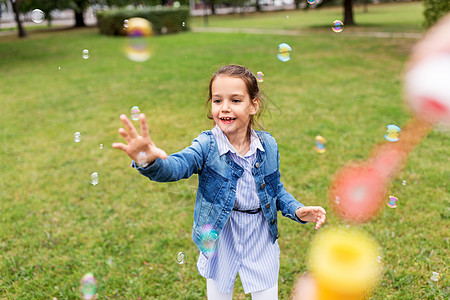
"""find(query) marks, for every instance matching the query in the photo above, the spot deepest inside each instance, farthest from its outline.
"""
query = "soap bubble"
(137, 48)
(392, 133)
(183, 24)
(392, 201)
(125, 23)
(208, 240)
(435, 276)
(310, 1)
(101, 146)
(76, 137)
(85, 53)
(37, 15)
(94, 178)
(260, 76)
(338, 26)
(403, 182)
(284, 52)
(176, 4)
(320, 144)
(181, 258)
(135, 111)
(88, 286)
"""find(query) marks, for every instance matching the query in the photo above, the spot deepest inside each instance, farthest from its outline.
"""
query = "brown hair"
(252, 89)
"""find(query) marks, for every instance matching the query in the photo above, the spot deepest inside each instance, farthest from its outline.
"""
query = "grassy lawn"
(56, 226)
(398, 17)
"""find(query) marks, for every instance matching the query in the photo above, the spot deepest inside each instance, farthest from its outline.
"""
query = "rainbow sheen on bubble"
(320, 144)
(135, 111)
(37, 16)
(338, 26)
(260, 76)
(138, 30)
(284, 52)
(310, 1)
(392, 202)
(208, 240)
(181, 258)
(392, 133)
(88, 287)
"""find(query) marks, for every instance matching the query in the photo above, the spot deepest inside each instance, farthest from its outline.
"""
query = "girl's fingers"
(120, 146)
(132, 132)
(144, 127)
(125, 135)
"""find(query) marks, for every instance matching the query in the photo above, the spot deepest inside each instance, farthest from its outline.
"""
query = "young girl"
(239, 190)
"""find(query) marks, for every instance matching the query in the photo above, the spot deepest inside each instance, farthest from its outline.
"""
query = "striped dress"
(244, 245)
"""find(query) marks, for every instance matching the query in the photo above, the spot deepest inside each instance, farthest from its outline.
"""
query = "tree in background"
(16, 8)
(435, 9)
(348, 13)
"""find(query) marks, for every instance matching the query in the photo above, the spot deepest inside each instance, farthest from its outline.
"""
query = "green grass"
(56, 226)
(399, 17)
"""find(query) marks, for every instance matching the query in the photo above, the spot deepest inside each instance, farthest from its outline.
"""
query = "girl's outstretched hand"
(140, 148)
(314, 214)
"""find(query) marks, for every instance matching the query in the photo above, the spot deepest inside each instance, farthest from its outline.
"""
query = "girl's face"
(231, 106)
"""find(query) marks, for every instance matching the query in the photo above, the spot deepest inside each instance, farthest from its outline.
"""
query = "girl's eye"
(236, 100)
(216, 100)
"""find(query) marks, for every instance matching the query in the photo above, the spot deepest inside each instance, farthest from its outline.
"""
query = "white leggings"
(213, 293)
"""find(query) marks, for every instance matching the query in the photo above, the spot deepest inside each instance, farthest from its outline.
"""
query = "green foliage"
(435, 9)
(111, 22)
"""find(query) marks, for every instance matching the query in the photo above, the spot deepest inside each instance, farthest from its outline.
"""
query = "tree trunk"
(348, 13)
(297, 4)
(213, 10)
(79, 20)
(22, 32)
(257, 6)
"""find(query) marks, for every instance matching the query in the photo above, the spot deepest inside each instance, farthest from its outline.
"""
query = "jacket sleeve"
(179, 165)
(286, 203)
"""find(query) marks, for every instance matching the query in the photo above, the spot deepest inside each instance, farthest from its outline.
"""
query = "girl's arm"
(154, 162)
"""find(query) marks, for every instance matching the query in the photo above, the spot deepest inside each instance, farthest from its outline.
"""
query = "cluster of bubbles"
(208, 240)
(181, 258)
(85, 53)
(392, 202)
(338, 26)
(94, 178)
(134, 113)
(284, 52)
(37, 16)
(392, 133)
(320, 144)
(88, 287)
(260, 76)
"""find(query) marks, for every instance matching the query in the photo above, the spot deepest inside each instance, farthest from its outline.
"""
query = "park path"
(292, 32)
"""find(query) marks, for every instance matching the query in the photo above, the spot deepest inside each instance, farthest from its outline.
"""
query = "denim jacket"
(217, 180)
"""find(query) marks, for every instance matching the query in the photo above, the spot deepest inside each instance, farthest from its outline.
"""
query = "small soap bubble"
(135, 111)
(94, 178)
(392, 201)
(88, 286)
(85, 53)
(320, 144)
(181, 258)
(379, 259)
(260, 76)
(76, 137)
(284, 52)
(59, 68)
(403, 182)
(164, 30)
(287, 17)
(435, 276)
(101, 146)
(392, 133)
(338, 26)
(183, 24)
(37, 15)
(337, 200)
(125, 23)
(176, 4)
(310, 1)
